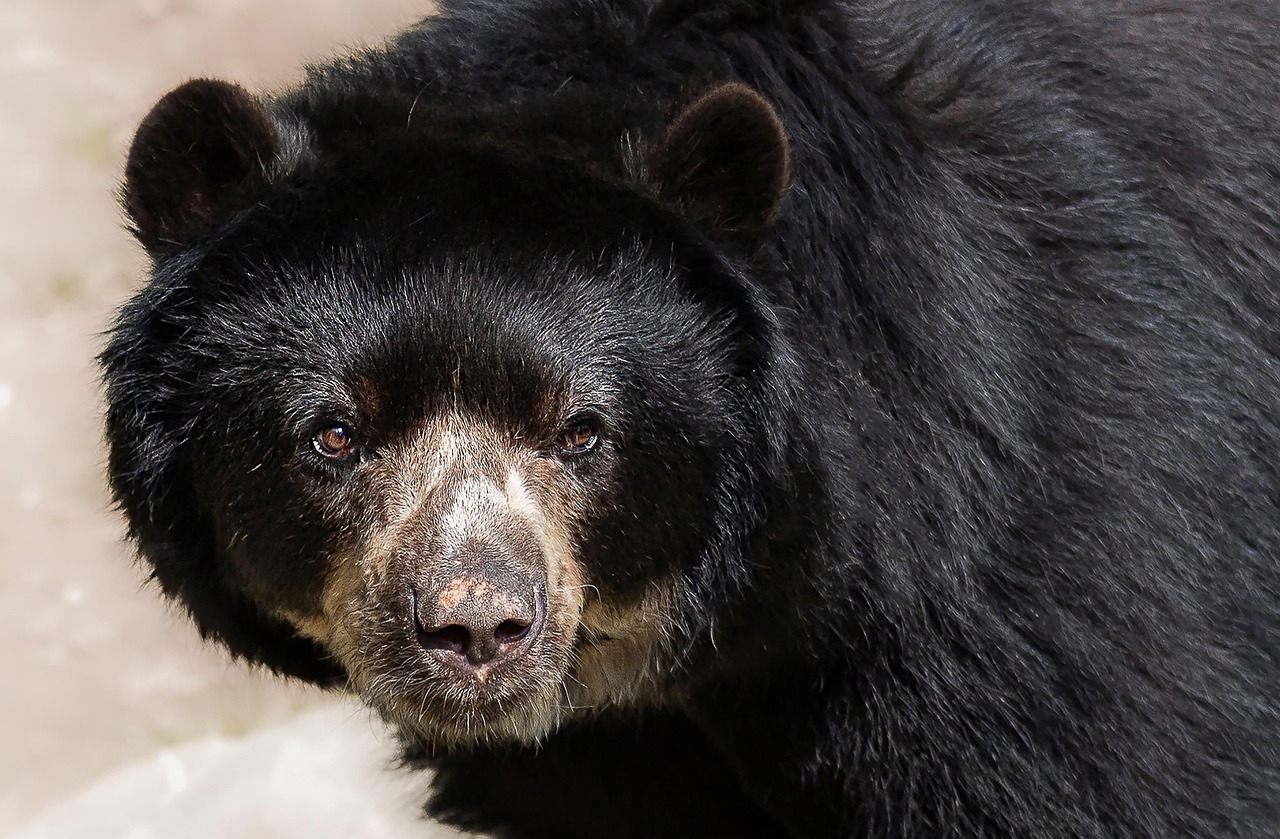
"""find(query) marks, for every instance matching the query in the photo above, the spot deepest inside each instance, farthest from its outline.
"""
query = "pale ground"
(114, 720)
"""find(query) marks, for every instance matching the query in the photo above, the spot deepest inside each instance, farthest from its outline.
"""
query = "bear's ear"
(724, 158)
(194, 153)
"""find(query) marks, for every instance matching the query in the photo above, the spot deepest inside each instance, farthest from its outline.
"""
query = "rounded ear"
(724, 158)
(194, 154)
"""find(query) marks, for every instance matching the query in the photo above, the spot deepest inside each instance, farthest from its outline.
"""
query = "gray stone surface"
(325, 774)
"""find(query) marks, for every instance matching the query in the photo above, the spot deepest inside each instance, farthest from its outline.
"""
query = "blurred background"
(116, 720)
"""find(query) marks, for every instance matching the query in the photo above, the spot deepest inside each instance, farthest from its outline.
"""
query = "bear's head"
(474, 429)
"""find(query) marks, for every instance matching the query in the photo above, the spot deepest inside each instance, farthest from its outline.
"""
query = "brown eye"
(579, 436)
(336, 441)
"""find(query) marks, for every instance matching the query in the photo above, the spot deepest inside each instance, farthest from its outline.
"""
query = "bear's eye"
(578, 436)
(336, 441)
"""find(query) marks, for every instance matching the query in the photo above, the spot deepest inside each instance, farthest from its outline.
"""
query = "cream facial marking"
(552, 534)
(476, 505)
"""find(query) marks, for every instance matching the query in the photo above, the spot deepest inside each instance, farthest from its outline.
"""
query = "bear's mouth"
(442, 688)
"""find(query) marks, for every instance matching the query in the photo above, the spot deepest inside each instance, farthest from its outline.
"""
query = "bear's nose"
(477, 616)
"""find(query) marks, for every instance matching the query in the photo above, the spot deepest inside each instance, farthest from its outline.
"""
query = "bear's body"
(866, 413)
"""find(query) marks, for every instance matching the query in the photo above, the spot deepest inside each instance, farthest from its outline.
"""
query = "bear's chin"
(461, 721)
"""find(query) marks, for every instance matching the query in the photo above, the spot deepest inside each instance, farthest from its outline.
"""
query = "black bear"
(825, 418)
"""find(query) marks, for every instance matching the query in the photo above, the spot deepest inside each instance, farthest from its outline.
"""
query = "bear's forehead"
(361, 300)
(518, 343)
(462, 188)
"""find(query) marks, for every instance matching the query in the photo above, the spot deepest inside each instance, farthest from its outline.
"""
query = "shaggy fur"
(935, 346)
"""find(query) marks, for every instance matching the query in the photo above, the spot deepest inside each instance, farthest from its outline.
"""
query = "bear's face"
(464, 461)
(452, 424)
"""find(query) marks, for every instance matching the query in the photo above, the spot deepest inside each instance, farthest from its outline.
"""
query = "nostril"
(476, 629)
(510, 631)
(453, 638)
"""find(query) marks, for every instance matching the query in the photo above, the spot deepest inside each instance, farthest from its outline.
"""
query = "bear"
(813, 418)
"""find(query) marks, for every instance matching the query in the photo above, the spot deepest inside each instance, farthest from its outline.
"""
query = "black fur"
(964, 451)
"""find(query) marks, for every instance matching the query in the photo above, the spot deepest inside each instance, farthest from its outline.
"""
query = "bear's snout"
(483, 614)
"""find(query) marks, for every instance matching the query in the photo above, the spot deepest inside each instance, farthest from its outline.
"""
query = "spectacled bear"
(824, 418)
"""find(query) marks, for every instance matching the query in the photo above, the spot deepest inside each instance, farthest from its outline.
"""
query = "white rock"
(324, 774)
